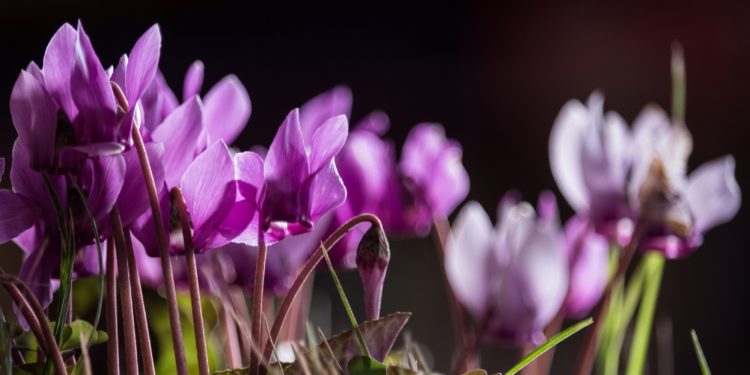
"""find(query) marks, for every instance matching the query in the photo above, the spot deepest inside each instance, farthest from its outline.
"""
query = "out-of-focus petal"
(193, 80)
(376, 122)
(59, 59)
(588, 255)
(209, 188)
(18, 214)
(334, 102)
(449, 184)
(468, 254)
(421, 147)
(144, 60)
(565, 147)
(327, 141)
(92, 94)
(34, 114)
(713, 194)
(327, 191)
(180, 133)
(120, 72)
(144, 228)
(158, 101)
(36, 272)
(226, 110)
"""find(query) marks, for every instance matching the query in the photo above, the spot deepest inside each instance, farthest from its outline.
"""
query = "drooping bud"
(373, 256)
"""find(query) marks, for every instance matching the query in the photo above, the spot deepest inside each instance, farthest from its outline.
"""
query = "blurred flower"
(590, 155)
(513, 278)
(588, 258)
(433, 175)
(677, 209)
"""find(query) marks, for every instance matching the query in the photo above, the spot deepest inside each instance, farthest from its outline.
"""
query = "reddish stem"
(113, 350)
(588, 354)
(144, 338)
(305, 272)
(257, 318)
(166, 264)
(126, 300)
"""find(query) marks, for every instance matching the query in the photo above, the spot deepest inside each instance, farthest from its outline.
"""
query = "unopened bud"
(373, 256)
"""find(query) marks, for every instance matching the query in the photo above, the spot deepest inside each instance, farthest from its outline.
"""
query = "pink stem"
(144, 338)
(113, 350)
(126, 302)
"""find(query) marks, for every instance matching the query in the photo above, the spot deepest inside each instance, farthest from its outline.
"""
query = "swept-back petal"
(334, 102)
(422, 146)
(92, 95)
(144, 60)
(565, 152)
(327, 191)
(30, 183)
(193, 80)
(181, 135)
(449, 184)
(59, 59)
(327, 141)
(120, 72)
(209, 188)
(36, 272)
(34, 116)
(713, 194)
(588, 257)
(468, 255)
(227, 109)
(250, 178)
(376, 122)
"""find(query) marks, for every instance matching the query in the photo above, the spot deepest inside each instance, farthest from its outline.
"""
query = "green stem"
(551, 343)
(654, 264)
(699, 352)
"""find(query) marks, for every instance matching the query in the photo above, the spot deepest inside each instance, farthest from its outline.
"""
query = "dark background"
(496, 78)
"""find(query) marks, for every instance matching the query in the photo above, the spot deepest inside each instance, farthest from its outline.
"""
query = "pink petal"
(713, 194)
(327, 191)
(565, 150)
(209, 188)
(327, 141)
(144, 60)
(227, 109)
(34, 116)
(181, 135)
(334, 102)
(193, 80)
(18, 214)
(59, 59)
(287, 164)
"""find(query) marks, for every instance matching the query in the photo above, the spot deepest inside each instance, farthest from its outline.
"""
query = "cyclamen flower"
(298, 181)
(512, 278)
(18, 212)
(433, 176)
(74, 84)
(677, 209)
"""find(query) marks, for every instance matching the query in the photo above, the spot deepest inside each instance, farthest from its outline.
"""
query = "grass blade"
(552, 342)
(699, 353)
(654, 263)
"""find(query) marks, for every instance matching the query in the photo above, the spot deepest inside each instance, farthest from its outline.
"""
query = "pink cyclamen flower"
(512, 278)
(433, 175)
(677, 209)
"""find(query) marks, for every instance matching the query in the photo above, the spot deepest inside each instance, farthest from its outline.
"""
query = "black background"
(496, 78)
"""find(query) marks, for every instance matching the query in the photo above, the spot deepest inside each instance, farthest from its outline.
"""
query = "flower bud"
(373, 255)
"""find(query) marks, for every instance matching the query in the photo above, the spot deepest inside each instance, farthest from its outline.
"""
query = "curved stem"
(257, 319)
(20, 301)
(307, 269)
(126, 300)
(166, 264)
(192, 274)
(144, 338)
(38, 310)
(113, 350)
(588, 354)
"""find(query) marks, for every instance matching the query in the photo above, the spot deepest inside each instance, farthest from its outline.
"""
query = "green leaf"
(699, 352)
(556, 339)
(362, 365)
(72, 335)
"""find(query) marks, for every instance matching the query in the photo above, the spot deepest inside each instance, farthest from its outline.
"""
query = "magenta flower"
(676, 208)
(300, 179)
(433, 175)
(588, 258)
(590, 155)
(512, 278)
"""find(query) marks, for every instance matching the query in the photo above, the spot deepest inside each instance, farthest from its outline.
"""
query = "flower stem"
(232, 356)
(588, 354)
(257, 319)
(166, 264)
(144, 338)
(31, 319)
(38, 310)
(654, 263)
(113, 350)
(126, 300)
(192, 274)
(307, 270)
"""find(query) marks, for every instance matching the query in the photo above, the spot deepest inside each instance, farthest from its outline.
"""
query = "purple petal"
(149, 268)
(250, 177)
(34, 116)
(713, 194)
(421, 147)
(92, 94)
(133, 200)
(120, 72)
(327, 191)
(144, 228)
(59, 59)
(209, 189)
(334, 102)
(36, 271)
(181, 135)
(376, 122)
(193, 80)
(144, 60)
(565, 149)
(30, 183)
(104, 177)
(327, 141)
(588, 255)
(227, 109)
(34, 70)
(286, 166)
(449, 185)
(158, 101)
(547, 208)
(467, 255)
(250, 185)
(18, 215)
